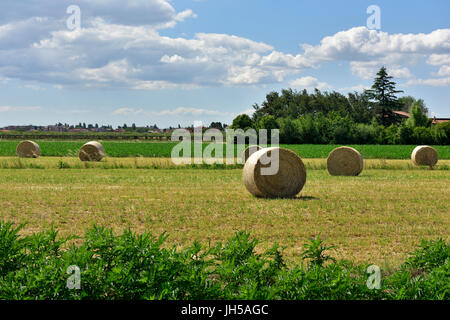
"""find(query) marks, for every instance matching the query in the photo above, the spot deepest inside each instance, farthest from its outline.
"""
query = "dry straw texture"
(28, 149)
(424, 156)
(288, 182)
(249, 151)
(91, 151)
(345, 161)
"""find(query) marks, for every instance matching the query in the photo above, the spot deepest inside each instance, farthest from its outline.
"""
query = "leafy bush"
(308, 130)
(417, 118)
(391, 134)
(366, 133)
(430, 255)
(441, 133)
(131, 266)
(289, 131)
(406, 134)
(425, 275)
(268, 122)
(242, 121)
(422, 135)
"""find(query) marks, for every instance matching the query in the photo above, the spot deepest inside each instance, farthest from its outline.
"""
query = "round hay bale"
(249, 151)
(345, 161)
(287, 182)
(424, 156)
(28, 149)
(91, 151)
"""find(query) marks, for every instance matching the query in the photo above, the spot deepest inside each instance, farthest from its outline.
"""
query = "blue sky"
(175, 62)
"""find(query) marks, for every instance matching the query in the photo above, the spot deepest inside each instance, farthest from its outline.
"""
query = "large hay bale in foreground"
(345, 161)
(249, 151)
(91, 151)
(424, 156)
(287, 182)
(28, 149)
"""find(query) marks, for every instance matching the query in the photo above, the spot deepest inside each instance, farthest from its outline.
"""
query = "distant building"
(23, 128)
(192, 129)
(56, 128)
(439, 120)
(168, 130)
(434, 120)
(78, 130)
(402, 114)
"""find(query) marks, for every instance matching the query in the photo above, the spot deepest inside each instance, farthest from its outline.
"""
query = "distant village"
(83, 127)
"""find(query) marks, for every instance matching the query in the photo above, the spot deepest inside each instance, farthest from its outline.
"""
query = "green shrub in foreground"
(131, 266)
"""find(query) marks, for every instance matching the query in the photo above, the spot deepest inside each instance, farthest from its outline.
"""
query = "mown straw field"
(376, 217)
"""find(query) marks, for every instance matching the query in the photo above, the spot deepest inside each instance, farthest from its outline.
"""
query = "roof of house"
(440, 120)
(402, 113)
(434, 120)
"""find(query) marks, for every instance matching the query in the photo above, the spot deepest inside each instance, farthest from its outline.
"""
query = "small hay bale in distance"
(345, 161)
(28, 149)
(91, 151)
(424, 156)
(286, 183)
(249, 151)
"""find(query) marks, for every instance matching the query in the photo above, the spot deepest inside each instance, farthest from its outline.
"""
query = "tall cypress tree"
(384, 93)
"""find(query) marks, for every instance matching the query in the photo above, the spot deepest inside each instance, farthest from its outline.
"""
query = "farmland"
(225, 153)
(377, 217)
(163, 149)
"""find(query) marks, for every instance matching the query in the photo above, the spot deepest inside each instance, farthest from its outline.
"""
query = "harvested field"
(377, 217)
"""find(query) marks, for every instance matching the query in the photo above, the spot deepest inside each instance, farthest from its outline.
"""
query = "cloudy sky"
(180, 61)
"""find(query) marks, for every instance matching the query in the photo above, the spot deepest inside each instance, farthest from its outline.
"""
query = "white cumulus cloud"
(120, 45)
(444, 71)
(433, 82)
(169, 112)
(309, 82)
(19, 108)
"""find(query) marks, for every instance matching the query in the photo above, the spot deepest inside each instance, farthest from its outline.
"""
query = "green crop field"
(163, 149)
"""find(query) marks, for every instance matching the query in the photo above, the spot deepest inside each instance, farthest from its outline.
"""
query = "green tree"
(406, 134)
(383, 92)
(362, 109)
(417, 118)
(289, 132)
(308, 130)
(422, 135)
(407, 102)
(293, 104)
(322, 124)
(216, 125)
(366, 133)
(391, 134)
(441, 133)
(242, 121)
(268, 122)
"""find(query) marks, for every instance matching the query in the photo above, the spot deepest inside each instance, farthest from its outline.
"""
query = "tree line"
(333, 118)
